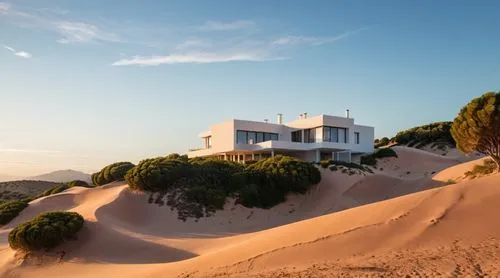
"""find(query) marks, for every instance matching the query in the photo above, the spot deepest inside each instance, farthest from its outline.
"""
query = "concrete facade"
(315, 138)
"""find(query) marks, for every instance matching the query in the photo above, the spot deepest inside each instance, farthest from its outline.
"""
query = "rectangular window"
(356, 137)
(251, 137)
(327, 134)
(335, 134)
(297, 136)
(310, 135)
(241, 137)
(341, 135)
(260, 137)
(274, 136)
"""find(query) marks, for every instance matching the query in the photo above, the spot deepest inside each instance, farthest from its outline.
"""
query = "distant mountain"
(20, 189)
(9, 178)
(62, 176)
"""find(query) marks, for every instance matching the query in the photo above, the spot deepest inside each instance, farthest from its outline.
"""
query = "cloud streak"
(53, 20)
(297, 40)
(21, 54)
(192, 58)
(227, 26)
(81, 32)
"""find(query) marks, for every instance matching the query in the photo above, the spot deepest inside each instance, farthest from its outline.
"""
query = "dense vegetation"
(197, 187)
(371, 159)
(435, 134)
(111, 173)
(477, 127)
(18, 190)
(45, 231)
(384, 141)
(10, 210)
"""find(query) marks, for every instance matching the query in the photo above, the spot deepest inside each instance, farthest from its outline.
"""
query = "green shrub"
(382, 142)
(45, 231)
(438, 133)
(209, 182)
(10, 210)
(157, 174)
(489, 166)
(385, 152)
(177, 156)
(371, 159)
(78, 183)
(54, 190)
(368, 160)
(111, 173)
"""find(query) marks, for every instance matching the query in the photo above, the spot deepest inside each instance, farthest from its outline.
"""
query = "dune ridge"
(351, 225)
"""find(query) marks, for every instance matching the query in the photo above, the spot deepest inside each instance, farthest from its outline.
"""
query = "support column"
(238, 157)
(225, 156)
(253, 156)
(318, 156)
(350, 156)
(272, 153)
(260, 156)
(333, 156)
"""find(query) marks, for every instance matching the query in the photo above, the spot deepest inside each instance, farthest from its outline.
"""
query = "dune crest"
(348, 224)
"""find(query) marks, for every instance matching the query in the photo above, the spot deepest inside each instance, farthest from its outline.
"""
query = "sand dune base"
(444, 231)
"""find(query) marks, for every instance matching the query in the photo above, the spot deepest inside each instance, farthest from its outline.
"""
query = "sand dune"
(447, 230)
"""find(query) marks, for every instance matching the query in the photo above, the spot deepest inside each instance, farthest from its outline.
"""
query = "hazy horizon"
(88, 83)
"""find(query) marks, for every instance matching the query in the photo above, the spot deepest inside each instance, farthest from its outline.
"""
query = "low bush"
(382, 142)
(45, 231)
(10, 210)
(371, 159)
(420, 136)
(209, 182)
(111, 173)
(78, 183)
(489, 166)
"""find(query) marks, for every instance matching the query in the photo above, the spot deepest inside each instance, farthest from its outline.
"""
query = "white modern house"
(308, 138)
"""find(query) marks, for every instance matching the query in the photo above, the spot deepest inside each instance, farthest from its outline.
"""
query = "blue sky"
(86, 83)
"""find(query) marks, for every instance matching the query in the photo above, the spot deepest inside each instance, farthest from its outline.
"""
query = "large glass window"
(310, 135)
(342, 135)
(326, 134)
(356, 137)
(241, 137)
(260, 137)
(297, 136)
(335, 134)
(252, 137)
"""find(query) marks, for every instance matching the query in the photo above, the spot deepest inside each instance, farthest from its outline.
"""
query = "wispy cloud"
(227, 26)
(81, 32)
(193, 43)
(192, 58)
(4, 8)
(57, 21)
(12, 150)
(21, 54)
(296, 40)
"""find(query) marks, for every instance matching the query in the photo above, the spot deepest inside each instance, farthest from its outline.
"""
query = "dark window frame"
(266, 136)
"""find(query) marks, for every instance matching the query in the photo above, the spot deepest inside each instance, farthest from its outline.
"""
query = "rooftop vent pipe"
(347, 113)
(280, 118)
(305, 115)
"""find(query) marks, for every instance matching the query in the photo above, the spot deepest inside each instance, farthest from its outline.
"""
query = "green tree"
(477, 126)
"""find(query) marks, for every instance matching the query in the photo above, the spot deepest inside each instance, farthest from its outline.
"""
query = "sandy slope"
(442, 231)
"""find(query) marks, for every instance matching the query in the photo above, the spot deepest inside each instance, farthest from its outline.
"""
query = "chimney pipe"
(305, 115)
(347, 113)
(266, 120)
(280, 118)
